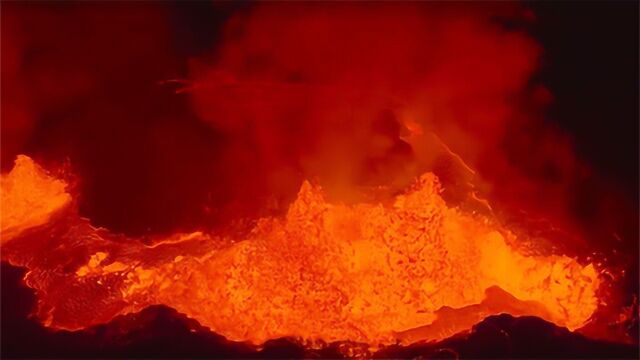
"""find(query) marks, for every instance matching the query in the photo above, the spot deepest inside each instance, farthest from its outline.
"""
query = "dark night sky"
(591, 66)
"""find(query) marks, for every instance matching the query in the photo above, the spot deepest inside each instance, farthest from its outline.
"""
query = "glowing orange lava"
(29, 198)
(409, 269)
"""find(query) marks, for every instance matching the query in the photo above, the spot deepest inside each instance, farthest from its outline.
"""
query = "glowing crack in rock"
(408, 270)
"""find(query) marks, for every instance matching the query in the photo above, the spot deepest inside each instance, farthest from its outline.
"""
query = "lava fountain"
(378, 273)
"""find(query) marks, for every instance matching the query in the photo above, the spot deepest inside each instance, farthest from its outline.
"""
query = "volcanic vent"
(338, 175)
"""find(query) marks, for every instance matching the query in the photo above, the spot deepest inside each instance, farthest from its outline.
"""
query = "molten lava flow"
(407, 270)
(29, 198)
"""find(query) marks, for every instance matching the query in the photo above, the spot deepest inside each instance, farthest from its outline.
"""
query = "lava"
(29, 198)
(407, 269)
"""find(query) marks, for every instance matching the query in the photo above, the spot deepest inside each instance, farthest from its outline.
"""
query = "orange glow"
(408, 269)
(30, 198)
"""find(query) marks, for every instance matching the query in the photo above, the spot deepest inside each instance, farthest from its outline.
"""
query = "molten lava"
(408, 269)
(29, 198)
